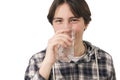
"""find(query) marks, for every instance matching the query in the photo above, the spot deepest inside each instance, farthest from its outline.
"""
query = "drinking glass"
(65, 54)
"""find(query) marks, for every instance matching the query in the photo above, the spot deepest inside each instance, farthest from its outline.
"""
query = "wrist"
(45, 69)
(48, 62)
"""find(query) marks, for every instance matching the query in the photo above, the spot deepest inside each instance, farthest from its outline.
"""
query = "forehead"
(63, 11)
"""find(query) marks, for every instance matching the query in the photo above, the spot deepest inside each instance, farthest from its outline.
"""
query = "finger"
(63, 41)
(56, 42)
(64, 36)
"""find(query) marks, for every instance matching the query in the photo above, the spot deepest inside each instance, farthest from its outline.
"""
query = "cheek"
(77, 28)
(56, 27)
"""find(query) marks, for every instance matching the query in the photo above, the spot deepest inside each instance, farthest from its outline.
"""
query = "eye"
(58, 21)
(74, 20)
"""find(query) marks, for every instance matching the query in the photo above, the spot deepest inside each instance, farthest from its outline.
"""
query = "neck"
(79, 49)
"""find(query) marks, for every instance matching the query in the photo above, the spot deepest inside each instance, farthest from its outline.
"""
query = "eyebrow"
(73, 17)
(57, 18)
(62, 18)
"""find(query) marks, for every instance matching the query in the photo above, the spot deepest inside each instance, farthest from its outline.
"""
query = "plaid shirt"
(83, 69)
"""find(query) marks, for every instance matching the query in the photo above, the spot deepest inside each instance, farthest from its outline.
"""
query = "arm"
(50, 58)
(42, 71)
(45, 70)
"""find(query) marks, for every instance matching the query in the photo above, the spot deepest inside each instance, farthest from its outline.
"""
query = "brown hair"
(78, 7)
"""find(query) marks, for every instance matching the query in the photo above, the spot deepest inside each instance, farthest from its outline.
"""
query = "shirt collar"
(90, 53)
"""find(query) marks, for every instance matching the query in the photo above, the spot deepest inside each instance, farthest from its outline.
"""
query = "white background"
(24, 31)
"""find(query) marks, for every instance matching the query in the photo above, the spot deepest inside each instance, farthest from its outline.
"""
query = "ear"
(85, 27)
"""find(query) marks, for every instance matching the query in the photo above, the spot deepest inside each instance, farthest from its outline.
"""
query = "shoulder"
(34, 65)
(38, 57)
(100, 52)
(103, 54)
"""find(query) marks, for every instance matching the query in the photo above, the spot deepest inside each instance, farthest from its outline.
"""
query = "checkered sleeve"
(113, 75)
(110, 67)
(32, 71)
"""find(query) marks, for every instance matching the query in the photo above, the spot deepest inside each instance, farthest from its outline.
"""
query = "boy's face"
(64, 18)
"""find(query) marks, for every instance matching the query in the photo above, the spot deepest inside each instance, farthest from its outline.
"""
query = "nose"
(67, 25)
